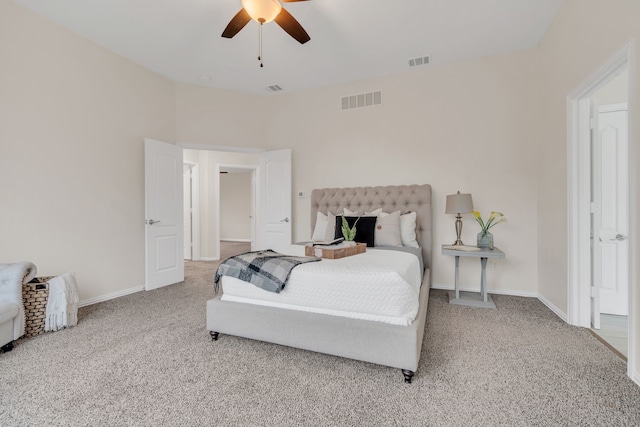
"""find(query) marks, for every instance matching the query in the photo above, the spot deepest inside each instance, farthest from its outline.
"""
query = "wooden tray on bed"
(334, 253)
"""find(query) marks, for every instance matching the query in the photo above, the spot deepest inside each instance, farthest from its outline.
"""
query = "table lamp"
(458, 204)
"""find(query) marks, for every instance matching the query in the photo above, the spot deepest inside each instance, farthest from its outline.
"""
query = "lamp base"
(458, 241)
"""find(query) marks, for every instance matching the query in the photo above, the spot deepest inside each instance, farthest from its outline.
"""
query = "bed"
(374, 341)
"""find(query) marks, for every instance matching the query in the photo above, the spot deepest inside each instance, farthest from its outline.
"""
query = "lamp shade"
(459, 203)
(262, 11)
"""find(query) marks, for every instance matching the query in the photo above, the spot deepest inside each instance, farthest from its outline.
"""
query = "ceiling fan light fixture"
(262, 11)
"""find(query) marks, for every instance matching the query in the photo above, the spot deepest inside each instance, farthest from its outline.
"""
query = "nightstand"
(473, 299)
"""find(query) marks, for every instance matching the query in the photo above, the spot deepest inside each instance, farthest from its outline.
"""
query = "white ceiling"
(350, 39)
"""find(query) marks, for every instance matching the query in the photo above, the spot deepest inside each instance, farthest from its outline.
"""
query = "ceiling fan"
(264, 11)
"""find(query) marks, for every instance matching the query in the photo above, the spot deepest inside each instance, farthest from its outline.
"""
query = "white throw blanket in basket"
(62, 305)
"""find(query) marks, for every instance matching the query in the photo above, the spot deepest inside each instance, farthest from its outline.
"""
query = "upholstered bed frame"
(376, 342)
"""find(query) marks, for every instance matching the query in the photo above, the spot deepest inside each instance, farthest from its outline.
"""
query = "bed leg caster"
(408, 375)
(214, 335)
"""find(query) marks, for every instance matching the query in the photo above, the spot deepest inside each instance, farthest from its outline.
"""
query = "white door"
(164, 231)
(186, 189)
(610, 219)
(274, 216)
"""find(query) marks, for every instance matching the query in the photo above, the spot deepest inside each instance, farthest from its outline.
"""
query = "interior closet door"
(274, 218)
(611, 218)
(164, 227)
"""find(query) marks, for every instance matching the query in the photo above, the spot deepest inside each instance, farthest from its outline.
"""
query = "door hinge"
(595, 292)
(592, 122)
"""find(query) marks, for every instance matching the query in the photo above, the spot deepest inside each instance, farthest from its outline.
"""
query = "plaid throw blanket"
(266, 269)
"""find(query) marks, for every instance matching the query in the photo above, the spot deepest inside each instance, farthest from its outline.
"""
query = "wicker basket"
(35, 295)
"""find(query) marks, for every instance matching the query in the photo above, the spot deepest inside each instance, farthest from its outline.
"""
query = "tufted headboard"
(406, 198)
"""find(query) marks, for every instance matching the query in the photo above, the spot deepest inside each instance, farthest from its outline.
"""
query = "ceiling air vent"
(420, 60)
(361, 100)
(274, 88)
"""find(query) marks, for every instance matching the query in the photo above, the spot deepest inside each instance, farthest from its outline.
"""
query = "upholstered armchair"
(12, 317)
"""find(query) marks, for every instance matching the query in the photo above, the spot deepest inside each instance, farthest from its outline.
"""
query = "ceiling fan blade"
(292, 27)
(237, 23)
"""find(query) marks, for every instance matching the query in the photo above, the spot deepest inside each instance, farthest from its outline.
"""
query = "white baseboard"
(636, 377)
(526, 294)
(555, 309)
(112, 295)
(236, 240)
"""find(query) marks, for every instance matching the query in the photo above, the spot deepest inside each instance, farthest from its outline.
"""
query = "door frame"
(579, 197)
(253, 169)
(195, 209)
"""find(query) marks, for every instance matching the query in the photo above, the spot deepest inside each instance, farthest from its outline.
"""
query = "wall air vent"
(420, 60)
(274, 88)
(361, 100)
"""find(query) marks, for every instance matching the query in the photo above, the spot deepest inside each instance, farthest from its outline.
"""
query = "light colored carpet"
(147, 359)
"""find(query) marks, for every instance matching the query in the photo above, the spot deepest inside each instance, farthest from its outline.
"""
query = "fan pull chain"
(260, 46)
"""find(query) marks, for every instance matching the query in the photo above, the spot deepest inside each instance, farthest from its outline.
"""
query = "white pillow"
(320, 228)
(387, 231)
(330, 232)
(325, 228)
(408, 230)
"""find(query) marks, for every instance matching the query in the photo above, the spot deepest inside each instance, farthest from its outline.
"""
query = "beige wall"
(216, 117)
(235, 206)
(73, 118)
(583, 35)
(614, 92)
(466, 126)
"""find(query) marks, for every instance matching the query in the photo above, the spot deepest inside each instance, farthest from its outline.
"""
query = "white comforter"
(378, 285)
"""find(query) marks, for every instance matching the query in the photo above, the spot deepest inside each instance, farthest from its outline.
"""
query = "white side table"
(473, 299)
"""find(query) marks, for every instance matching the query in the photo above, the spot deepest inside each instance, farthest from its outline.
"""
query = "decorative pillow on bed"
(387, 231)
(408, 230)
(325, 227)
(365, 228)
(320, 228)
(331, 227)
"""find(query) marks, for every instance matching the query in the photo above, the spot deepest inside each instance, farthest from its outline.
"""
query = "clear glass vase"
(485, 240)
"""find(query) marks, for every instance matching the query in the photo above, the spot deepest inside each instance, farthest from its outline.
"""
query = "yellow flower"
(494, 218)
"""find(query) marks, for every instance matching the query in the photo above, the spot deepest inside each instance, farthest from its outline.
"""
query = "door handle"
(285, 220)
(151, 222)
(619, 237)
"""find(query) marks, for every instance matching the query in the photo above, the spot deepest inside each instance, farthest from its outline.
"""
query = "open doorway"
(213, 167)
(599, 194)
(236, 205)
(271, 186)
